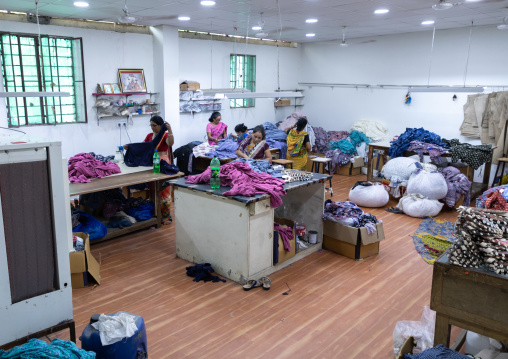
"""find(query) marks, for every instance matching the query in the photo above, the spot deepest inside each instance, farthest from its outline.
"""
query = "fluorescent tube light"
(34, 94)
(446, 89)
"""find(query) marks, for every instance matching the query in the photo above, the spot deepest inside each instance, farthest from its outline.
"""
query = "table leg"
(72, 331)
(157, 202)
(370, 164)
(442, 330)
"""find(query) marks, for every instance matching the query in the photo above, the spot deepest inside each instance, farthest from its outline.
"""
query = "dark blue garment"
(398, 147)
(439, 352)
(272, 132)
(282, 146)
(168, 168)
(203, 271)
(141, 154)
(225, 149)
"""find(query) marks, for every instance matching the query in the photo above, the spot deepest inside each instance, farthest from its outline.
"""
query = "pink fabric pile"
(245, 182)
(286, 234)
(337, 135)
(84, 166)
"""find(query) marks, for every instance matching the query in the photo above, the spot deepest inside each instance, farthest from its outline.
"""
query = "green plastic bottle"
(156, 162)
(214, 178)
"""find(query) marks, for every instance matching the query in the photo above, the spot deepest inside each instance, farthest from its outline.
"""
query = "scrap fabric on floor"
(203, 271)
(84, 166)
(403, 142)
(244, 181)
(36, 348)
(433, 238)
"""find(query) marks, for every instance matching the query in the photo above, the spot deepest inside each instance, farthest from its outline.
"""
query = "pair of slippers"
(394, 210)
(264, 282)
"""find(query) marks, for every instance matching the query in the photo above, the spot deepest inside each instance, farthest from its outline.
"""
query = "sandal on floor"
(252, 284)
(266, 283)
(394, 210)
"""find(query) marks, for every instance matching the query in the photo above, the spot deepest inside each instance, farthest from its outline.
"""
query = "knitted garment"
(475, 156)
(168, 168)
(458, 185)
(141, 154)
(496, 201)
(403, 142)
(244, 181)
(433, 150)
(39, 349)
(84, 166)
(286, 234)
(225, 149)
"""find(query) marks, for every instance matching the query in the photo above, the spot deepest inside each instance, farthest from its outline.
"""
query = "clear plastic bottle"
(215, 172)
(156, 162)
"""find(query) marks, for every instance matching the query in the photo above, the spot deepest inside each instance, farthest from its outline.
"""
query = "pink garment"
(84, 166)
(286, 234)
(337, 135)
(245, 182)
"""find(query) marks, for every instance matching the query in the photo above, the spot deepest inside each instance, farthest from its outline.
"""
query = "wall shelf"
(111, 111)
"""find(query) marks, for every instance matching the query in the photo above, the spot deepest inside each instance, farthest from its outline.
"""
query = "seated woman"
(216, 130)
(255, 146)
(240, 132)
(298, 144)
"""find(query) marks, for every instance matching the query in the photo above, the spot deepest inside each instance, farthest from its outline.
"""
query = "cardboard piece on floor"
(351, 242)
(351, 169)
(84, 267)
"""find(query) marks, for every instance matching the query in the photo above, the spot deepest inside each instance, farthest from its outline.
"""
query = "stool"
(500, 160)
(283, 162)
(316, 167)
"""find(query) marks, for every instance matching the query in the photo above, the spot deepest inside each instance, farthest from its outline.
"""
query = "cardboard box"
(189, 86)
(353, 169)
(84, 267)
(279, 253)
(281, 102)
(351, 242)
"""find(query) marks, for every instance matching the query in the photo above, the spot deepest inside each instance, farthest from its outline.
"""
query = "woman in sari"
(255, 147)
(298, 144)
(216, 130)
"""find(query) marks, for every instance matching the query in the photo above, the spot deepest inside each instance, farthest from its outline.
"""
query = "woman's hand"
(125, 147)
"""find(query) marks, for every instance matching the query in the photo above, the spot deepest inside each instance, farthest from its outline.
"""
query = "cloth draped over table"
(403, 142)
(475, 156)
(244, 181)
(434, 151)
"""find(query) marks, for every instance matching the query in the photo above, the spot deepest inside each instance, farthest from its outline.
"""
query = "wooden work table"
(381, 148)
(470, 298)
(129, 176)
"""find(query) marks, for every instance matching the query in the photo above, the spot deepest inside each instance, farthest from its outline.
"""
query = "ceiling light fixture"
(256, 28)
(310, 35)
(81, 4)
(207, 3)
(504, 25)
(428, 22)
(183, 18)
(381, 11)
(311, 21)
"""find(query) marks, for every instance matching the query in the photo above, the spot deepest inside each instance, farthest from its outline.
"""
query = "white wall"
(104, 53)
(401, 60)
(195, 64)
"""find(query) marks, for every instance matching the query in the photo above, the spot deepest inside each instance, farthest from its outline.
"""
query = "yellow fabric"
(297, 151)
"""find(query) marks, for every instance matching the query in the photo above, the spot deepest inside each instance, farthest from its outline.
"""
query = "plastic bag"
(429, 184)
(113, 328)
(369, 196)
(141, 213)
(422, 331)
(89, 224)
(399, 169)
(418, 206)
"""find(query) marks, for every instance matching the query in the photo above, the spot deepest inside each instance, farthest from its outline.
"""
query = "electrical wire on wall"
(12, 129)
(468, 49)
(211, 55)
(431, 53)
(127, 132)
(278, 40)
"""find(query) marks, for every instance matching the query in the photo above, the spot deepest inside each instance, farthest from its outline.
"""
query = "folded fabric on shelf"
(244, 181)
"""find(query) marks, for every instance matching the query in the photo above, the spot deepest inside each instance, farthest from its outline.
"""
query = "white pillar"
(166, 70)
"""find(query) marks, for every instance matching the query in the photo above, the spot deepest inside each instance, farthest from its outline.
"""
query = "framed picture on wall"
(132, 80)
(116, 88)
(107, 88)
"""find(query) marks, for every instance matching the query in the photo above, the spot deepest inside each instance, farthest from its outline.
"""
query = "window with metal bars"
(243, 75)
(56, 64)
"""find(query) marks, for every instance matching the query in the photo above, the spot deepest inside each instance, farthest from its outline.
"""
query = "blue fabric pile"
(36, 348)
(273, 133)
(282, 146)
(398, 147)
(438, 352)
(261, 167)
(225, 149)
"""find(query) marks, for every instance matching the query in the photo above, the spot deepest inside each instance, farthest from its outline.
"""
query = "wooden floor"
(337, 307)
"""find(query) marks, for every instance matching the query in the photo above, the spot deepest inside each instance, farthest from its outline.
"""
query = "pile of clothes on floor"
(494, 198)
(349, 214)
(112, 205)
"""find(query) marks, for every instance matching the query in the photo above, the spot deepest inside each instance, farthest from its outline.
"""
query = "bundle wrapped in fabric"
(429, 184)
(399, 169)
(416, 205)
(368, 194)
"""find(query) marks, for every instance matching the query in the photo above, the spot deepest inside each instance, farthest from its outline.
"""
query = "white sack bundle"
(429, 184)
(418, 206)
(369, 196)
(399, 169)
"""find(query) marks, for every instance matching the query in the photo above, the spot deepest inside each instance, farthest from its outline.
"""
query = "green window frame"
(59, 68)
(243, 75)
